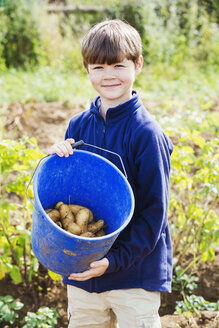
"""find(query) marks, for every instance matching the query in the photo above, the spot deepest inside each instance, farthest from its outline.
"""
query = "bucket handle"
(74, 145)
(82, 143)
(31, 181)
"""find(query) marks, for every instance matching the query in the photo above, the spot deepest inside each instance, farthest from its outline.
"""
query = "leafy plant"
(193, 304)
(188, 29)
(21, 38)
(8, 306)
(17, 159)
(194, 196)
(43, 318)
(185, 283)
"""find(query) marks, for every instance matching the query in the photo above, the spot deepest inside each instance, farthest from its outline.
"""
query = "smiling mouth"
(110, 86)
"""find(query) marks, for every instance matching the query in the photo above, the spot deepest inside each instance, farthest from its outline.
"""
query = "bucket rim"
(42, 210)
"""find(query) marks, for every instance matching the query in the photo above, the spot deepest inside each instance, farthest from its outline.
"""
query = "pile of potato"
(77, 220)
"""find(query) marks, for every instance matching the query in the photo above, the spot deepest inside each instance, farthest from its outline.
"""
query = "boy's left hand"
(97, 269)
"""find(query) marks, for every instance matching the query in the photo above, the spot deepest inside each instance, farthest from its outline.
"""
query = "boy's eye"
(98, 67)
(119, 65)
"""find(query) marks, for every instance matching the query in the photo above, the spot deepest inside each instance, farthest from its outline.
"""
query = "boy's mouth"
(110, 85)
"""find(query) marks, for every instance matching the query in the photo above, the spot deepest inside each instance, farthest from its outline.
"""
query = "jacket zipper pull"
(104, 133)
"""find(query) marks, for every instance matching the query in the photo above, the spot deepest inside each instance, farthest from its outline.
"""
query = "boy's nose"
(108, 73)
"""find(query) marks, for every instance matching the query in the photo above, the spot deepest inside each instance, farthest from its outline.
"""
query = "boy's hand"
(97, 269)
(62, 148)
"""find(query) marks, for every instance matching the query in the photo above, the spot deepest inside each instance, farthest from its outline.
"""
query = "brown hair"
(110, 42)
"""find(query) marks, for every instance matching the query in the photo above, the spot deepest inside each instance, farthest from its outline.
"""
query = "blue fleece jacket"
(141, 256)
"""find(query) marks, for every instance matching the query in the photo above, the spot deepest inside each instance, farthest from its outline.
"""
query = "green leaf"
(16, 305)
(54, 275)
(16, 275)
(7, 299)
(2, 270)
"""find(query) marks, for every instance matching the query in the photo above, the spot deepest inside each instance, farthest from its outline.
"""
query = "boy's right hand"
(62, 148)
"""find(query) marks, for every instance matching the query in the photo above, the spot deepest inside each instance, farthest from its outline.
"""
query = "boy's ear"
(139, 65)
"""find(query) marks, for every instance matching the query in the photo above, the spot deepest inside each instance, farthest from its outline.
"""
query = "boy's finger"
(54, 150)
(62, 149)
(70, 140)
(103, 262)
(69, 147)
(58, 151)
(84, 275)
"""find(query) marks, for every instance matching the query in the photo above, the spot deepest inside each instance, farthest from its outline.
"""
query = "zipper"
(104, 134)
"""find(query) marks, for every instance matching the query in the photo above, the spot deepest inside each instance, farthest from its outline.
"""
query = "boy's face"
(114, 82)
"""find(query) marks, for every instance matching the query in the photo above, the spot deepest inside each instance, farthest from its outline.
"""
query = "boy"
(125, 285)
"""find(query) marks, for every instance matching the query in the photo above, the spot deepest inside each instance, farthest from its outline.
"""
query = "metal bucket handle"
(74, 145)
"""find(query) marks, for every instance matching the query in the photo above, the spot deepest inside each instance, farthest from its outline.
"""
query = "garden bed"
(47, 122)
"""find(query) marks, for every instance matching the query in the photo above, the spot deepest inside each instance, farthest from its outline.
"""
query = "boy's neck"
(105, 105)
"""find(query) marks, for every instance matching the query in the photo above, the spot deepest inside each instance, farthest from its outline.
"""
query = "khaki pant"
(129, 307)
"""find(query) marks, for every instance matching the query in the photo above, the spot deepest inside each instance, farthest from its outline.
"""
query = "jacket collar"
(116, 113)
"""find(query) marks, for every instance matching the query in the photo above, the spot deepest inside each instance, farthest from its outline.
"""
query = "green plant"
(3, 29)
(20, 40)
(194, 196)
(193, 304)
(30, 36)
(185, 283)
(17, 159)
(43, 318)
(8, 306)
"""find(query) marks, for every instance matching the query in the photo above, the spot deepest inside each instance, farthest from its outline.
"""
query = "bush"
(20, 41)
(3, 29)
(172, 32)
(17, 160)
(193, 216)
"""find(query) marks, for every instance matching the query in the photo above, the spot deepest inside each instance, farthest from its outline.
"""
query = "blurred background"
(43, 83)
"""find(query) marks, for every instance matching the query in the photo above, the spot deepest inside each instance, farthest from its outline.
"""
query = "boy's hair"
(110, 42)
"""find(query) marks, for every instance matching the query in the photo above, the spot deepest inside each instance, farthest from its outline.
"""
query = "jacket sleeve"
(151, 163)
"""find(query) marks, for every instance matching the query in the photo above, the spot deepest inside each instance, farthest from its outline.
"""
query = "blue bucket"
(86, 179)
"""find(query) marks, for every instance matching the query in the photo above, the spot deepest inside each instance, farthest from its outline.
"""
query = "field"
(179, 86)
(40, 119)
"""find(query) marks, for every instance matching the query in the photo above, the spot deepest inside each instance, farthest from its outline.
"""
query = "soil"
(47, 122)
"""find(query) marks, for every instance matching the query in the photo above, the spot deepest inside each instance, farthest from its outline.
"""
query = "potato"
(100, 233)
(87, 234)
(58, 205)
(53, 214)
(59, 224)
(65, 222)
(91, 217)
(76, 219)
(74, 228)
(48, 210)
(82, 218)
(95, 226)
(65, 211)
(76, 208)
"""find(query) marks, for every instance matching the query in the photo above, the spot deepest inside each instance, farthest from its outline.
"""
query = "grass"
(186, 97)
(43, 84)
